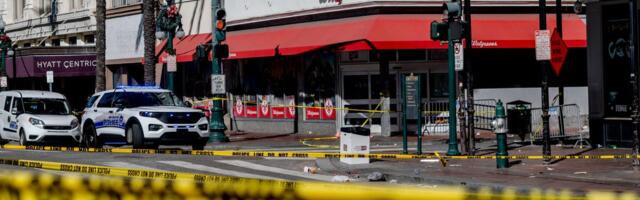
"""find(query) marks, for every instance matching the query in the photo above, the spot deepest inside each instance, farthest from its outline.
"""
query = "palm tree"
(100, 44)
(149, 23)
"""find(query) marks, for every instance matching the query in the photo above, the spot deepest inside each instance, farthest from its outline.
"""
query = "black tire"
(90, 137)
(23, 139)
(137, 136)
(199, 145)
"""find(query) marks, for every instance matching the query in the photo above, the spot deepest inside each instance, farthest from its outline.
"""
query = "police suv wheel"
(136, 135)
(199, 145)
(90, 138)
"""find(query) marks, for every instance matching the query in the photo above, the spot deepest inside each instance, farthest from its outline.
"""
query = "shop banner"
(312, 113)
(329, 111)
(291, 108)
(264, 111)
(251, 111)
(279, 112)
(238, 107)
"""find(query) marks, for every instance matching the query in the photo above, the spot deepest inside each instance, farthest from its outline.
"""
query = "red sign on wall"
(264, 109)
(328, 111)
(278, 112)
(291, 109)
(238, 108)
(312, 113)
(251, 111)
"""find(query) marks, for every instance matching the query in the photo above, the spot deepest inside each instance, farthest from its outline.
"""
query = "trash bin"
(519, 118)
(354, 140)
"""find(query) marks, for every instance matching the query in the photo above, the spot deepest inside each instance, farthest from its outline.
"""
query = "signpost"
(50, 80)
(459, 56)
(558, 52)
(411, 109)
(543, 45)
(217, 84)
(171, 63)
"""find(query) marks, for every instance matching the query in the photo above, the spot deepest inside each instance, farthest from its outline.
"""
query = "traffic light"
(457, 29)
(221, 51)
(221, 25)
(439, 31)
(451, 10)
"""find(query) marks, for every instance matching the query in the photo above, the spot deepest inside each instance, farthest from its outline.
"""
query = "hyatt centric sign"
(75, 64)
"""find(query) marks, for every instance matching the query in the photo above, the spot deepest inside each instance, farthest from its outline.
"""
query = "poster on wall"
(291, 107)
(251, 109)
(264, 110)
(238, 107)
(278, 108)
(328, 110)
(312, 113)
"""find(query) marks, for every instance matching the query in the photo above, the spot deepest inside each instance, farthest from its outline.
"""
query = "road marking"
(214, 170)
(258, 167)
(128, 165)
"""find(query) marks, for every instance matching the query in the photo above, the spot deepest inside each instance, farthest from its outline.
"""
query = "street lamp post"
(169, 25)
(5, 47)
(220, 50)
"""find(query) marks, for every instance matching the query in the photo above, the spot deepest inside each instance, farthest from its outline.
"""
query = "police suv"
(144, 117)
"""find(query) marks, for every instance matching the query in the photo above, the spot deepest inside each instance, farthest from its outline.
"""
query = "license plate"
(183, 130)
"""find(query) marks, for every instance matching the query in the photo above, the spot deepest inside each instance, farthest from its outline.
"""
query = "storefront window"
(320, 85)
(439, 87)
(376, 86)
(357, 87)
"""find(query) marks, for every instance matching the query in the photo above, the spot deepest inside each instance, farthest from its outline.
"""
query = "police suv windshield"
(39, 106)
(139, 99)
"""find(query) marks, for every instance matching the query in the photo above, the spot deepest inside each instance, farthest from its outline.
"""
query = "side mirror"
(188, 104)
(120, 107)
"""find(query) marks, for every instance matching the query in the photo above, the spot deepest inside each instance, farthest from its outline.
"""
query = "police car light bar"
(137, 87)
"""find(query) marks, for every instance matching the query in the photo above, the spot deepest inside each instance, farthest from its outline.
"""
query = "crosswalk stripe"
(258, 167)
(214, 170)
(128, 165)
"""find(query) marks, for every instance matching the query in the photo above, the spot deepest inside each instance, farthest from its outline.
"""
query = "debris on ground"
(579, 173)
(310, 170)
(340, 179)
(549, 169)
(393, 181)
(376, 176)
(430, 160)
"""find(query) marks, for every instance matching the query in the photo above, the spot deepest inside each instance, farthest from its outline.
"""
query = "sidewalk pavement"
(587, 174)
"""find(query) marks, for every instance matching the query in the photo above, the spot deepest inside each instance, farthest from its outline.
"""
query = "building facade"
(56, 37)
(610, 89)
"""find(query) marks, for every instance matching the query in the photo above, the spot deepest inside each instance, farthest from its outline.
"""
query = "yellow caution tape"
(307, 154)
(122, 183)
(305, 142)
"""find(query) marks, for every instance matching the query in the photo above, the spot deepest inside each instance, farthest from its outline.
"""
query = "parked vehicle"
(37, 117)
(144, 117)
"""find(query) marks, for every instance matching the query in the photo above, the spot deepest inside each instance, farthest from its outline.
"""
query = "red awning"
(185, 47)
(395, 32)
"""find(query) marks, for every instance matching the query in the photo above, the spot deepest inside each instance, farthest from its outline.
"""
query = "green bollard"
(500, 128)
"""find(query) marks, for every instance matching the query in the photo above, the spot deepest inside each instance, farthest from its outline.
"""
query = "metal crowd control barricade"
(572, 123)
(436, 116)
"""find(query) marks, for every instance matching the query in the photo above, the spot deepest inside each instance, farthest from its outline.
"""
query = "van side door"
(5, 117)
(15, 110)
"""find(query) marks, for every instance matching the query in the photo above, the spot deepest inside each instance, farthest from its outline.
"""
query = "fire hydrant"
(500, 129)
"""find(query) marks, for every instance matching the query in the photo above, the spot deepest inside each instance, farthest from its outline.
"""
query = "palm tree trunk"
(100, 44)
(149, 23)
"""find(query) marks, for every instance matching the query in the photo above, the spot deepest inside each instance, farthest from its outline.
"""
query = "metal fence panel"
(572, 122)
(436, 116)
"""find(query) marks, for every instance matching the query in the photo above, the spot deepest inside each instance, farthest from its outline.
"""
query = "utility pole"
(216, 125)
(469, 78)
(633, 62)
(560, 81)
(452, 10)
(544, 65)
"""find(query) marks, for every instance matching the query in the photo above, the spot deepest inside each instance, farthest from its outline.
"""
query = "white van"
(37, 116)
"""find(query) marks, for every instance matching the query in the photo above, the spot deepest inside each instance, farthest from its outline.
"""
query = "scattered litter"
(579, 172)
(375, 176)
(429, 160)
(455, 165)
(310, 170)
(477, 133)
(532, 176)
(340, 179)
(559, 145)
(393, 181)
(427, 186)
(549, 169)
(416, 171)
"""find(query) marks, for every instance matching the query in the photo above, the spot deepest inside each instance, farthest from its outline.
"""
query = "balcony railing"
(120, 3)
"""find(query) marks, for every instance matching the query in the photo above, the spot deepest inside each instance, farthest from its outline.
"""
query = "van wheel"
(23, 138)
(136, 135)
(3, 141)
(89, 137)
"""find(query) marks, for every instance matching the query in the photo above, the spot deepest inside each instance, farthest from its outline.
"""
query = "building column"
(29, 11)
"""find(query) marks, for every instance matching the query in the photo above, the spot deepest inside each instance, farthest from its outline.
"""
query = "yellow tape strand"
(123, 183)
(306, 154)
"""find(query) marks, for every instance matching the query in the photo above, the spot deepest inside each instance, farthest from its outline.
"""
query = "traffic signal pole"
(216, 125)
(469, 78)
(633, 62)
